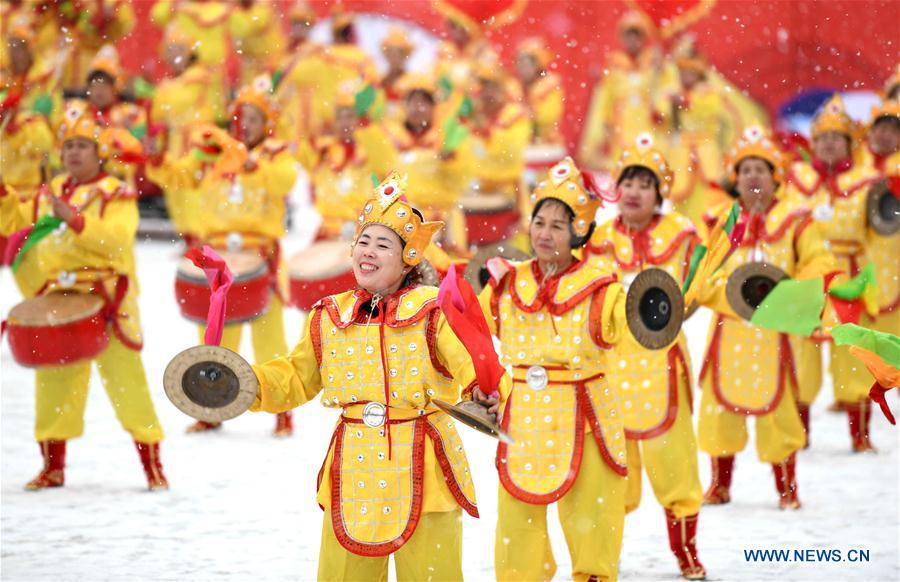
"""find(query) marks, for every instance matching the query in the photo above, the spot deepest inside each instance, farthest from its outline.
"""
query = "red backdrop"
(773, 48)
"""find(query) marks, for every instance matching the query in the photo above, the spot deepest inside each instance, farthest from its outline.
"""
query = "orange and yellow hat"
(389, 208)
(341, 19)
(756, 142)
(416, 82)
(536, 48)
(887, 108)
(833, 117)
(112, 142)
(107, 61)
(636, 20)
(22, 28)
(644, 154)
(397, 38)
(259, 94)
(577, 190)
(302, 11)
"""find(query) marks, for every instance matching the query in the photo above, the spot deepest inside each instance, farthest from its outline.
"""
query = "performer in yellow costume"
(629, 100)
(395, 476)
(255, 28)
(882, 154)
(207, 23)
(244, 211)
(91, 252)
(296, 72)
(556, 317)
(341, 165)
(396, 48)
(748, 370)
(834, 188)
(655, 386)
(703, 123)
(542, 91)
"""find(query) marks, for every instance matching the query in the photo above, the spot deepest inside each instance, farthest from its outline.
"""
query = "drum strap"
(112, 304)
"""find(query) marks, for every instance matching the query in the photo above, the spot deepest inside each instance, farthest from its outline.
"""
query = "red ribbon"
(877, 395)
(220, 279)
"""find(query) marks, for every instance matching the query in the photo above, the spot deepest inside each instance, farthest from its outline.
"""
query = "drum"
(57, 329)
(247, 299)
(321, 270)
(540, 157)
(490, 218)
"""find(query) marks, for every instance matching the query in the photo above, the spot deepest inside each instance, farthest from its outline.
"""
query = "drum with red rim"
(321, 270)
(490, 218)
(57, 329)
(247, 299)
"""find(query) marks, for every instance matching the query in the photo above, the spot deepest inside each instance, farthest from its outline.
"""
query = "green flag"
(793, 306)
(44, 226)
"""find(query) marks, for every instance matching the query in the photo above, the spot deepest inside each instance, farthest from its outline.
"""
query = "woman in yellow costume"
(395, 476)
(296, 73)
(396, 48)
(655, 385)
(630, 97)
(557, 317)
(834, 188)
(882, 154)
(702, 124)
(341, 164)
(90, 252)
(244, 211)
(542, 91)
(255, 29)
(748, 370)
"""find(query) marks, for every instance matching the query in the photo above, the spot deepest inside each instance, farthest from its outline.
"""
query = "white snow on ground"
(242, 504)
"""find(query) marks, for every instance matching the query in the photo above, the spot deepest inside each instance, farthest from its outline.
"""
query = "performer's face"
(551, 232)
(458, 34)
(101, 93)
(396, 57)
(345, 122)
(419, 109)
(755, 183)
(632, 40)
(527, 67)
(178, 56)
(378, 260)
(20, 56)
(253, 125)
(831, 147)
(884, 137)
(638, 199)
(80, 159)
(689, 77)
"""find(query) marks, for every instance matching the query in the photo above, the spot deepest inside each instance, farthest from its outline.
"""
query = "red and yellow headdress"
(112, 142)
(416, 82)
(536, 49)
(577, 190)
(107, 61)
(833, 117)
(757, 143)
(258, 94)
(636, 20)
(389, 208)
(302, 11)
(397, 38)
(22, 28)
(644, 154)
(887, 108)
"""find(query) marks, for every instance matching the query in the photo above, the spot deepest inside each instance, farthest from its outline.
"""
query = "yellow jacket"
(379, 477)
(882, 250)
(26, 144)
(90, 256)
(257, 37)
(648, 379)
(497, 151)
(178, 103)
(565, 326)
(759, 363)
(546, 102)
(622, 107)
(341, 175)
(296, 92)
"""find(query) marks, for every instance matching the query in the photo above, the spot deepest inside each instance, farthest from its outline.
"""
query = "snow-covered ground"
(242, 503)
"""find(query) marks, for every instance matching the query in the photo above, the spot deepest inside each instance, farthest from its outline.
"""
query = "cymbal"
(883, 209)
(475, 416)
(749, 284)
(654, 308)
(210, 383)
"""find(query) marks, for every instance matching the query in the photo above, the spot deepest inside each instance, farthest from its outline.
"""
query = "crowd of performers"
(462, 165)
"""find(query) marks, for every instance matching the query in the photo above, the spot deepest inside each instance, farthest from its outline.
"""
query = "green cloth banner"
(884, 345)
(793, 306)
(44, 226)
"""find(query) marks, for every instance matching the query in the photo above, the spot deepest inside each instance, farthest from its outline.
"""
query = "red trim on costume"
(595, 320)
(431, 342)
(597, 430)
(449, 476)
(547, 291)
(315, 334)
(641, 243)
(390, 308)
(415, 510)
(674, 358)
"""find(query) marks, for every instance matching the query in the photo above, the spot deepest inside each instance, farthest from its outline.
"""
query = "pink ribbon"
(14, 244)
(220, 279)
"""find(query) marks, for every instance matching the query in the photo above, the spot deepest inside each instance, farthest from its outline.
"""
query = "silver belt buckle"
(373, 414)
(536, 377)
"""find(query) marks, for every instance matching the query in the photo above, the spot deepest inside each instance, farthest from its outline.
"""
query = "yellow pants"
(61, 396)
(592, 515)
(671, 462)
(433, 552)
(851, 381)
(722, 433)
(266, 334)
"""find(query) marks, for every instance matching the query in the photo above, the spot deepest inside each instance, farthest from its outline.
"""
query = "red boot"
(683, 542)
(203, 426)
(786, 482)
(803, 409)
(719, 491)
(859, 415)
(284, 424)
(152, 466)
(53, 473)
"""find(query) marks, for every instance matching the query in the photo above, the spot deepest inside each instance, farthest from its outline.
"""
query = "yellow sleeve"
(505, 156)
(281, 173)
(175, 175)
(484, 300)
(290, 381)
(453, 355)
(307, 155)
(122, 23)
(105, 237)
(592, 144)
(15, 213)
(813, 257)
(549, 110)
(161, 13)
(246, 22)
(712, 293)
(381, 152)
(612, 325)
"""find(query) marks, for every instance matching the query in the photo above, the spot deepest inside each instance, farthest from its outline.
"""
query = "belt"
(373, 414)
(539, 377)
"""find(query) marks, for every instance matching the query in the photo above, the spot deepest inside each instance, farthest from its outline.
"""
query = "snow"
(242, 504)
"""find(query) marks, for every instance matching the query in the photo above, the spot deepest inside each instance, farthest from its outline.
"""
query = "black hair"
(888, 119)
(641, 173)
(575, 242)
(102, 75)
(427, 94)
(344, 33)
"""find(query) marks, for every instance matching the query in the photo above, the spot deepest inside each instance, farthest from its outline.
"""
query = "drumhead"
(321, 260)
(55, 309)
(487, 203)
(544, 153)
(244, 266)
